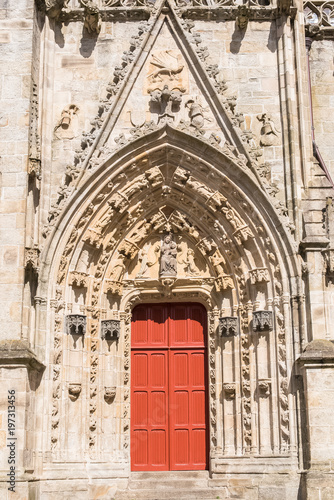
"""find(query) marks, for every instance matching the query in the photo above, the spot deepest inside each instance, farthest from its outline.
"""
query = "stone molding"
(17, 352)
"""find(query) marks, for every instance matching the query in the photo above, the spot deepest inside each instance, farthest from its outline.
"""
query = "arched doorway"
(169, 398)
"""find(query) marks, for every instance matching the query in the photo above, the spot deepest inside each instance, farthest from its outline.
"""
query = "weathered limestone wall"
(16, 35)
(55, 76)
(322, 67)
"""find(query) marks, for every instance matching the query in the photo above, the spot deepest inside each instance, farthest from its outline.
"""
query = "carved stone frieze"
(110, 329)
(262, 320)
(76, 324)
(228, 326)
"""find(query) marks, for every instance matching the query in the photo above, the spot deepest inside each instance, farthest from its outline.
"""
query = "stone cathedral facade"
(167, 249)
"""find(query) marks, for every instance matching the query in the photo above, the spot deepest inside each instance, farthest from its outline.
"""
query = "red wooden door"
(169, 429)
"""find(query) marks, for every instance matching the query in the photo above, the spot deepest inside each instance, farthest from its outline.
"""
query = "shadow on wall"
(239, 34)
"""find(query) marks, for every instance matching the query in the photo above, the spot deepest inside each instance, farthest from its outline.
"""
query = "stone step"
(171, 494)
(183, 484)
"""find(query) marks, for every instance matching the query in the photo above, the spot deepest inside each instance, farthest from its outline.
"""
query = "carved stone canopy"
(76, 324)
(110, 329)
(228, 326)
(262, 320)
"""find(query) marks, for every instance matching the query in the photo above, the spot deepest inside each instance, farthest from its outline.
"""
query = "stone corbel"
(262, 320)
(228, 326)
(110, 329)
(229, 390)
(76, 324)
(264, 387)
(109, 394)
(74, 391)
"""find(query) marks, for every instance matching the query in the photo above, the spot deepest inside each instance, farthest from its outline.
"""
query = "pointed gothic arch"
(242, 254)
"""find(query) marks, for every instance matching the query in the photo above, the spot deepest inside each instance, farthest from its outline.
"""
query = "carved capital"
(76, 324)
(114, 287)
(262, 320)
(78, 279)
(224, 282)
(110, 329)
(259, 275)
(228, 326)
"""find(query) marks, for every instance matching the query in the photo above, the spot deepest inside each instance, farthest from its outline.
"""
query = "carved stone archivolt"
(152, 233)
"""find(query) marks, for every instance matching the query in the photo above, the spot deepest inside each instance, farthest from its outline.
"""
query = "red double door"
(169, 417)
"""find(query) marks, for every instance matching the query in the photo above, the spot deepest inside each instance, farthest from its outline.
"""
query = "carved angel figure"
(144, 259)
(118, 268)
(191, 269)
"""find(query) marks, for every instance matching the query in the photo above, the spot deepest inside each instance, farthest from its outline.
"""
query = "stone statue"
(118, 268)
(143, 258)
(191, 269)
(168, 265)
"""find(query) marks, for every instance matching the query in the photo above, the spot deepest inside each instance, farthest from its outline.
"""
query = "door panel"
(149, 410)
(169, 428)
(187, 406)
